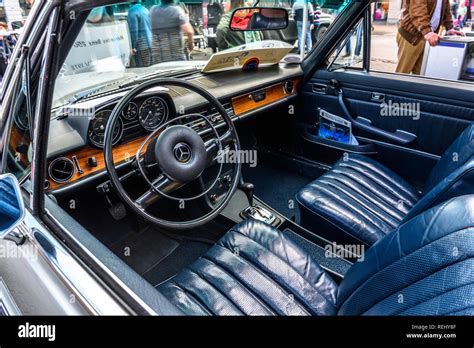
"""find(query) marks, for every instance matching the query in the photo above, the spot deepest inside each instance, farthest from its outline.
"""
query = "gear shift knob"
(248, 188)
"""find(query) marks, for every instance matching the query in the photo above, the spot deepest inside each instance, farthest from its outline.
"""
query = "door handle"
(377, 96)
(399, 136)
(319, 88)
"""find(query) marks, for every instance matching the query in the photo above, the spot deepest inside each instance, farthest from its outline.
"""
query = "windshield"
(119, 44)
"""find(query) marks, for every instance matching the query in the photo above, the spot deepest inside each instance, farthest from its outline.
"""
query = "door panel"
(445, 110)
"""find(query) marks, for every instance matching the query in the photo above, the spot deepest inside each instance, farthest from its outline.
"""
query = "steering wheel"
(174, 155)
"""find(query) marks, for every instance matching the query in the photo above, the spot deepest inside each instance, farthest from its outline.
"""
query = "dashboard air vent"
(61, 170)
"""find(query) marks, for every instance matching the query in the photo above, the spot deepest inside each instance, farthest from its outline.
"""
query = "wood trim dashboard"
(121, 153)
(252, 101)
(241, 105)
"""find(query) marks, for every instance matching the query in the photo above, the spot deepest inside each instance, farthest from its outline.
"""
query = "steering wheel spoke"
(217, 147)
(163, 184)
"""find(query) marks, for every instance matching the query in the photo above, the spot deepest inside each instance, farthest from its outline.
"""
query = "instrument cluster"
(137, 117)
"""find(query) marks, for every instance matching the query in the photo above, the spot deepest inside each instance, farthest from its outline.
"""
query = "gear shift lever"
(248, 188)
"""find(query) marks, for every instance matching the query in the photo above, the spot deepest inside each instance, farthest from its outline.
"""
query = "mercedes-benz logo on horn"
(182, 152)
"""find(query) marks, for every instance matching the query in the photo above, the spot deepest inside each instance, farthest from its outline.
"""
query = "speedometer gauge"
(153, 113)
(130, 112)
(97, 128)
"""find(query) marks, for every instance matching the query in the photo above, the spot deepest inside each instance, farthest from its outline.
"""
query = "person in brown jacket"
(421, 21)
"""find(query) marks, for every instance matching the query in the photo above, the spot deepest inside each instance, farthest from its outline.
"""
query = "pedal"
(118, 211)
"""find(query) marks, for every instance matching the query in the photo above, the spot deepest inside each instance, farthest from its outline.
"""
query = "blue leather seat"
(9, 207)
(361, 200)
(425, 267)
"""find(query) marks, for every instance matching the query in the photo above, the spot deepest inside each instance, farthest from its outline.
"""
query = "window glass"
(439, 46)
(19, 153)
(19, 148)
(121, 42)
(350, 52)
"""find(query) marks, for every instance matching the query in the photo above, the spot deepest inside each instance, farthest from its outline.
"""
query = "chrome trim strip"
(117, 280)
(7, 303)
(89, 291)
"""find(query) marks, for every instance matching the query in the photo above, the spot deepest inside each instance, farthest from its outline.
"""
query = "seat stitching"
(443, 269)
(458, 311)
(378, 200)
(437, 213)
(396, 196)
(391, 189)
(345, 204)
(382, 174)
(216, 289)
(291, 266)
(276, 284)
(444, 293)
(376, 211)
(399, 260)
(397, 234)
(249, 291)
(192, 297)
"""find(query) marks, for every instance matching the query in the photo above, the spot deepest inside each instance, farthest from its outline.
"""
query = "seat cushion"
(358, 197)
(253, 270)
(425, 267)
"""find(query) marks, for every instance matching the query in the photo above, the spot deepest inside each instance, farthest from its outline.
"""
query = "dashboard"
(75, 150)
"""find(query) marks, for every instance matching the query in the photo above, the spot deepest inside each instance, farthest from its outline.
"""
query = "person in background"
(298, 7)
(139, 24)
(227, 38)
(214, 14)
(421, 21)
(454, 9)
(102, 14)
(358, 48)
(168, 24)
(316, 20)
(462, 11)
(470, 4)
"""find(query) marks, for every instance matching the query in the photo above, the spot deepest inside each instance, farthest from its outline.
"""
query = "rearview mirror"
(12, 210)
(259, 18)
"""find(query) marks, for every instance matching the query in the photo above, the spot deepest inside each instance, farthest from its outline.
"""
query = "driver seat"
(425, 267)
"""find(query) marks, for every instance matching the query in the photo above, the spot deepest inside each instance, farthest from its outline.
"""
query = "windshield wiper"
(83, 94)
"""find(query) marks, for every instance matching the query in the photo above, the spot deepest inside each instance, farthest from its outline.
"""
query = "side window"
(22, 110)
(19, 147)
(350, 52)
(443, 48)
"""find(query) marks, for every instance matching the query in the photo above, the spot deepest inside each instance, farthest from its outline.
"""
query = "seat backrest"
(424, 267)
(458, 154)
(452, 176)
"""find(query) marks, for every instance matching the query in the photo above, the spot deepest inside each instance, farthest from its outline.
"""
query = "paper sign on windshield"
(268, 52)
(99, 47)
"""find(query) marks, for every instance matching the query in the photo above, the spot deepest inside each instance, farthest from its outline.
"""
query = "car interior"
(303, 225)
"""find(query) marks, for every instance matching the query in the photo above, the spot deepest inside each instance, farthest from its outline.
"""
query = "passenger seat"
(361, 200)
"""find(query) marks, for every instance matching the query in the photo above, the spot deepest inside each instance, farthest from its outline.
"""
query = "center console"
(241, 208)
